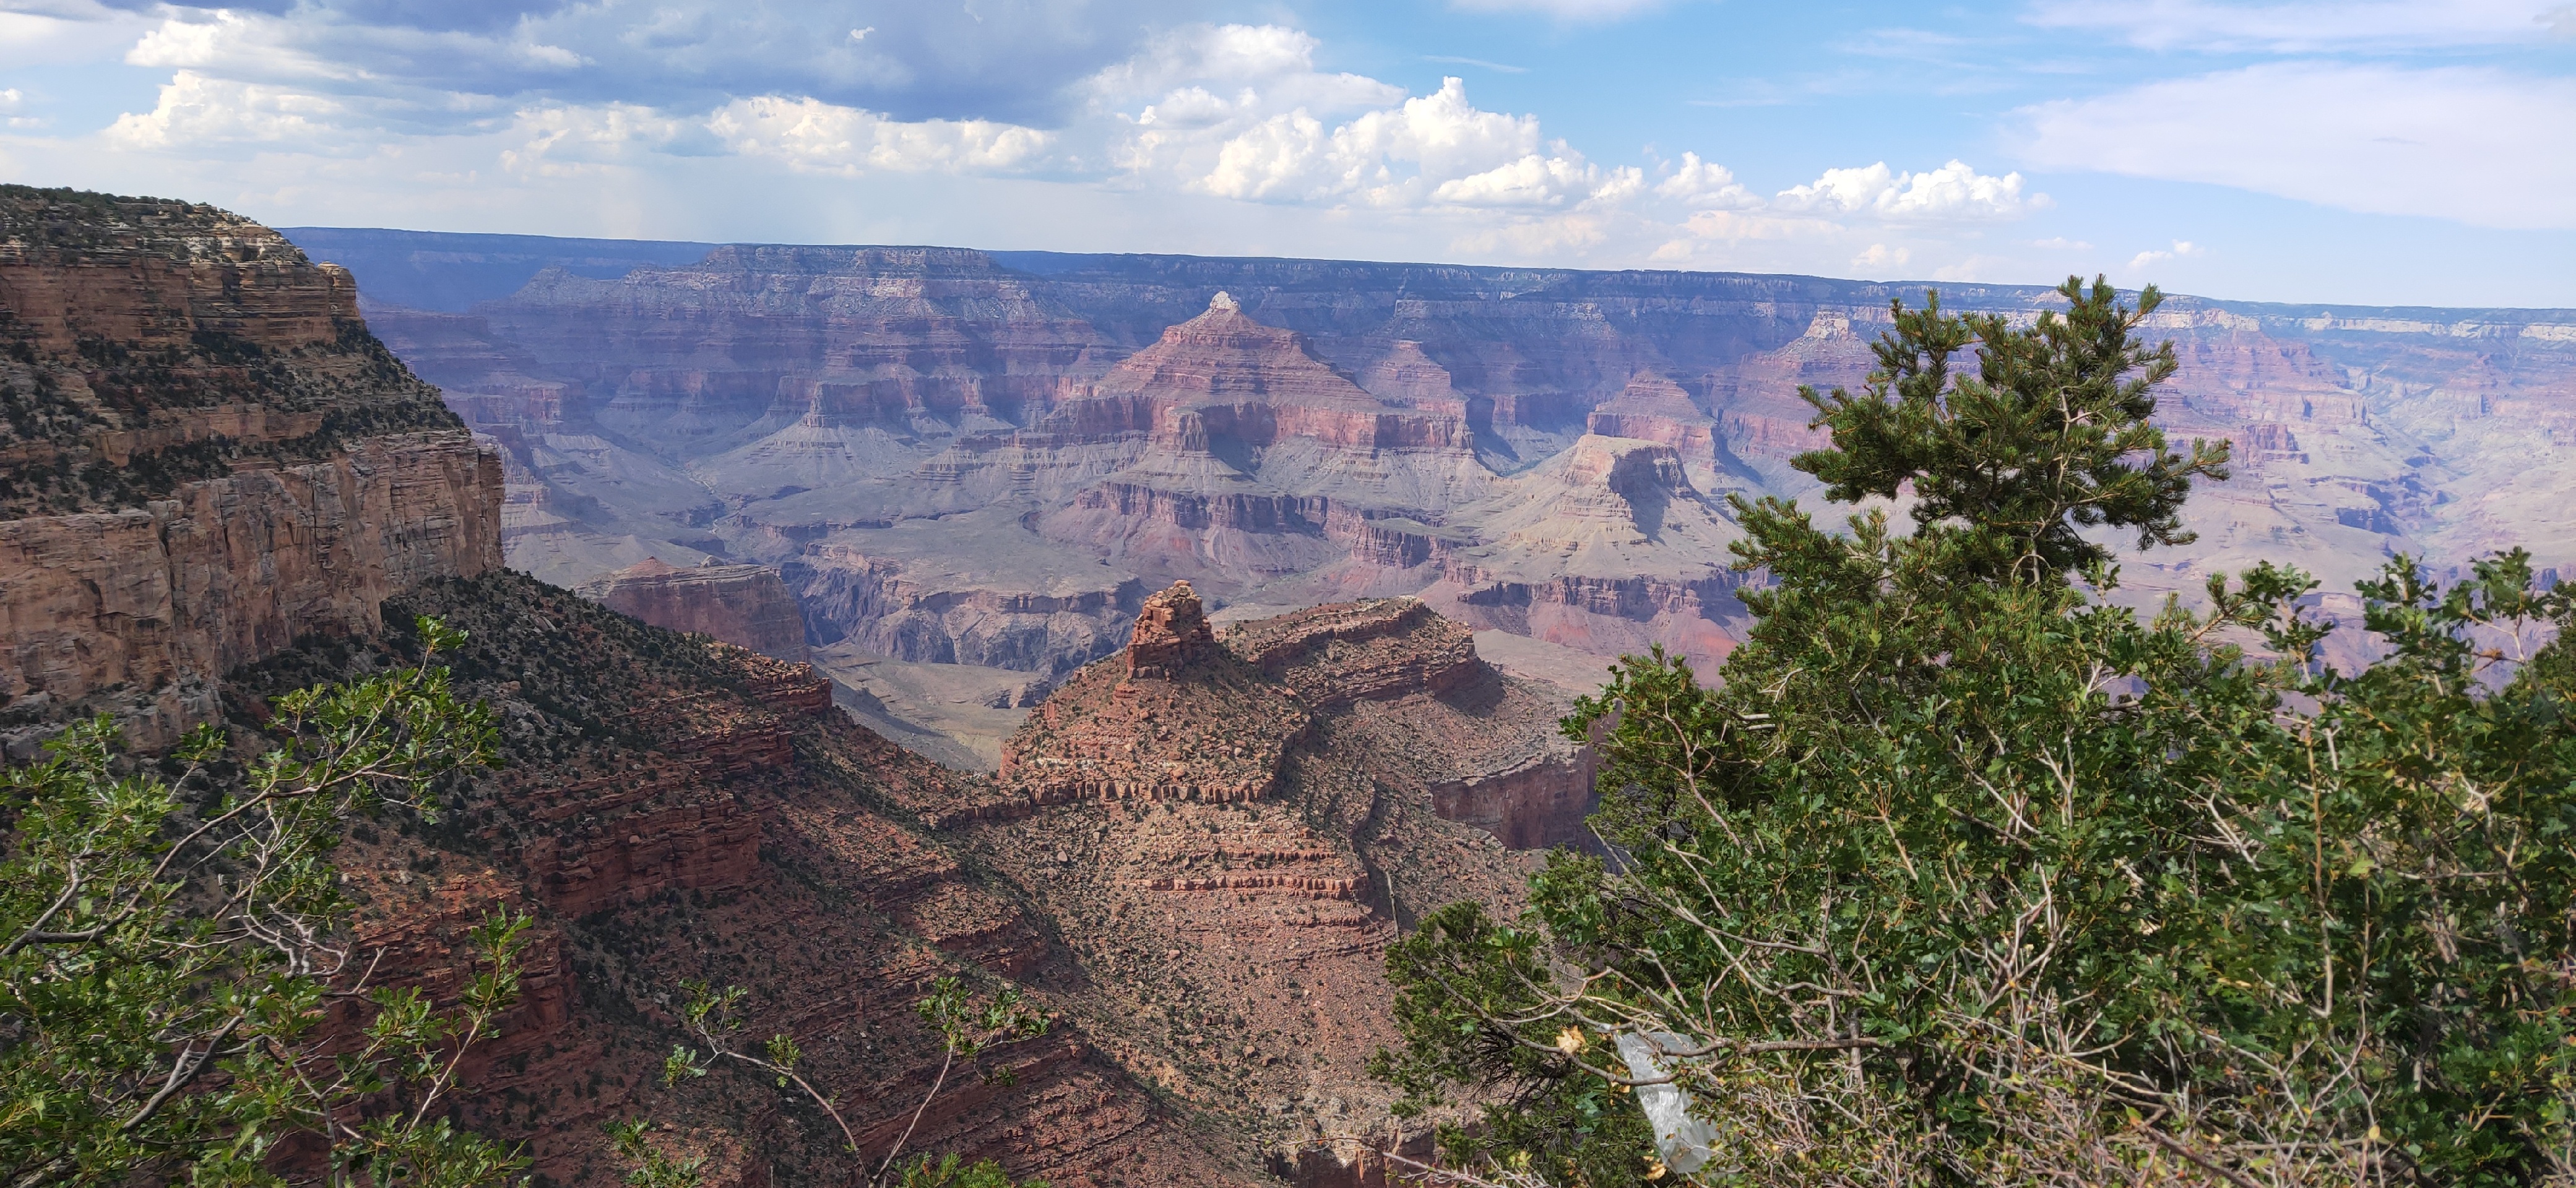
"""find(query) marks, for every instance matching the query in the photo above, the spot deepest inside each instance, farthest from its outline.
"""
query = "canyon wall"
(217, 486)
(744, 605)
(205, 457)
(1541, 451)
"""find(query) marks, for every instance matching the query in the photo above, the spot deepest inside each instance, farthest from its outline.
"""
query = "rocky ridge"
(740, 604)
(203, 456)
(1339, 430)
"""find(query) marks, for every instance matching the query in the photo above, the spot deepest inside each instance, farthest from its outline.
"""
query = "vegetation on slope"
(1967, 875)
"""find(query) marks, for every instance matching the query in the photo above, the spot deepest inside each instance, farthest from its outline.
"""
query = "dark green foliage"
(2049, 435)
(950, 1172)
(1967, 875)
(178, 994)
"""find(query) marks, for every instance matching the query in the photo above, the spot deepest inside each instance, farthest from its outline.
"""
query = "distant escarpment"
(1228, 827)
(989, 457)
(744, 605)
(203, 455)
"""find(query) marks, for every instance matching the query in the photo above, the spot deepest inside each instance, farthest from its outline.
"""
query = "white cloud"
(2181, 247)
(1954, 192)
(2060, 243)
(1880, 256)
(2476, 145)
(1272, 62)
(1705, 185)
(809, 134)
(1437, 149)
(2212, 25)
(197, 112)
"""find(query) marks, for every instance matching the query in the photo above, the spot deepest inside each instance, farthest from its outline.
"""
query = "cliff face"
(676, 809)
(1229, 827)
(204, 457)
(744, 605)
(867, 419)
(219, 487)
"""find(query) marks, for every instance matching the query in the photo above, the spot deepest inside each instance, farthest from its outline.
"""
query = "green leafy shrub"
(1967, 874)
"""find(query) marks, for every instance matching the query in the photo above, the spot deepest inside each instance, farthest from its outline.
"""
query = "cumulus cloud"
(809, 134)
(1706, 185)
(2477, 145)
(1273, 64)
(2181, 247)
(1428, 150)
(2300, 27)
(1953, 193)
(198, 112)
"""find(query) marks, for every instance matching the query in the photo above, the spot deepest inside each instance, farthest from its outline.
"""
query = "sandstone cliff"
(744, 605)
(205, 456)
(1230, 827)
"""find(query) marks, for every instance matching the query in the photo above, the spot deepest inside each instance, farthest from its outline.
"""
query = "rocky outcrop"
(1335, 430)
(739, 604)
(206, 457)
(1230, 831)
(1172, 633)
(1364, 651)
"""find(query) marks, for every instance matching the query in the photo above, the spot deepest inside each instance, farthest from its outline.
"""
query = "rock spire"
(1171, 631)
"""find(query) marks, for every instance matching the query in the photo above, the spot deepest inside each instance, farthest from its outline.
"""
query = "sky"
(2346, 151)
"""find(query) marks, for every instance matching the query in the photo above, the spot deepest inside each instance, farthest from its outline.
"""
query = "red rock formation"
(134, 326)
(1171, 632)
(669, 808)
(739, 604)
(1235, 942)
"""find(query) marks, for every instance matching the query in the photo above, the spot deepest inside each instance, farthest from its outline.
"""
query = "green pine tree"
(1964, 874)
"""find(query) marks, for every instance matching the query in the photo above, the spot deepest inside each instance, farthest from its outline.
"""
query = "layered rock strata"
(739, 604)
(1351, 430)
(221, 488)
(1229, 828)
(206, 456)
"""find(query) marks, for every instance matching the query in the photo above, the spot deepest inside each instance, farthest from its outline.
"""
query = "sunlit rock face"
(1015, 447)
(205, 457)
(740, 604)
(216, 487)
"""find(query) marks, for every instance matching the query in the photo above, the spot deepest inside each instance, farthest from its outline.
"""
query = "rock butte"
(1204, 916)
(739, 604)
(989, 458)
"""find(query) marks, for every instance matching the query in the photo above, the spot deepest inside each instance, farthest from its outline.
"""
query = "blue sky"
(2318, 151)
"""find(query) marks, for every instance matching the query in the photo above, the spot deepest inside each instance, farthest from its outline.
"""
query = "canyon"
(970, 468)
(221, 487)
